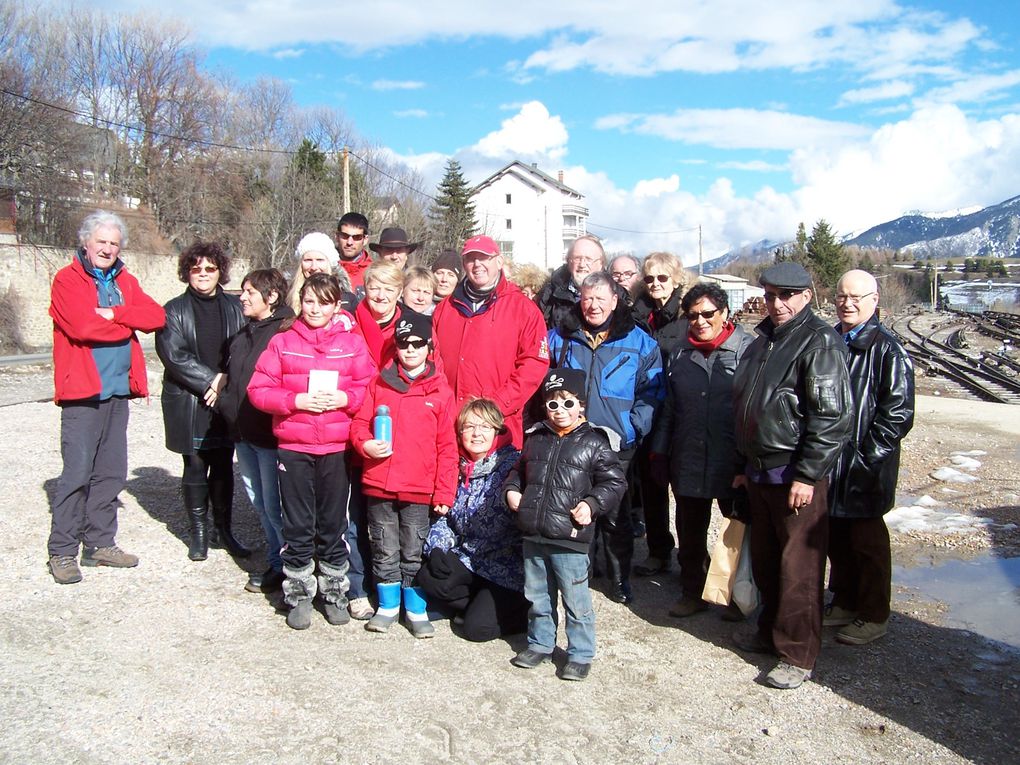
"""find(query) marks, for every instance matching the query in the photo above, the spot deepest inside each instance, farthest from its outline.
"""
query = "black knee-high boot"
(196, 497)
(221, 496)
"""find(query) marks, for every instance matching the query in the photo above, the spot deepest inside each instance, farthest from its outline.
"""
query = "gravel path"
(174, 662)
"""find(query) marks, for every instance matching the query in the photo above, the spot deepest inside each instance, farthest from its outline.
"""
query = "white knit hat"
(321, 243)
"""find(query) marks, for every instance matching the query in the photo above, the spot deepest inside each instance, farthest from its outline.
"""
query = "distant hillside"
(761, 250)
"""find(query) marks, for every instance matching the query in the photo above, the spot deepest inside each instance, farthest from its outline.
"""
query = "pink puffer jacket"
(282, 373)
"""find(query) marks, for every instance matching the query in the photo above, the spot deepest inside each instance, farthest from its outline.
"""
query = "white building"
(738, 290)
(533, 216)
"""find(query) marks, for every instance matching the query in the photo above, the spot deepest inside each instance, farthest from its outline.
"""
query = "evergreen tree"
(453, 213)
(800, 252)
(825, 257)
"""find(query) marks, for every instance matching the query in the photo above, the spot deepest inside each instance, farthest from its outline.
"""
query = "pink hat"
(483, 244)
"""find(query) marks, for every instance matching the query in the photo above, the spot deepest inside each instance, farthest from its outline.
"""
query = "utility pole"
(347, 182)
(701, 263)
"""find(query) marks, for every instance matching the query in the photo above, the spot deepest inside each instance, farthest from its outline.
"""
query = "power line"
(629, 231)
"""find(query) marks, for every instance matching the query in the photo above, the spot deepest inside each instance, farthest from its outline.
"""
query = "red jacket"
(424, 463)
(77, 328)
(500, 353)
(356, 271)
(282, 372)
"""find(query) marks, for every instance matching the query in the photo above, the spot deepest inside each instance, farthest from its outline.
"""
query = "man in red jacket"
(491, 337)
(98, 364)
(351, 233)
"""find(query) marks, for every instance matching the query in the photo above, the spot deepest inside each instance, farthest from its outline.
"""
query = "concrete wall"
(28, 270)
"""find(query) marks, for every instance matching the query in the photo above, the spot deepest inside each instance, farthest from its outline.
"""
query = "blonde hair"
(420, 273)
(483, 408)
(384, 272)
(672, 266)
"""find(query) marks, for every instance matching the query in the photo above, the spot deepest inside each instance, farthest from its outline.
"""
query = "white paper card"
(323, 380)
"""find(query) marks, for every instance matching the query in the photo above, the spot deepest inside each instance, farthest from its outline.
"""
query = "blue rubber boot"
(389, 607)
(417, 616)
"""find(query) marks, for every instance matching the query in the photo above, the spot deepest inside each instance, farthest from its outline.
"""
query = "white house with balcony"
(532, 215)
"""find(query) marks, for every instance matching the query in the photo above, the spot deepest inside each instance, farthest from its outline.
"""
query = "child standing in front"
(407, 476)
(567, 476)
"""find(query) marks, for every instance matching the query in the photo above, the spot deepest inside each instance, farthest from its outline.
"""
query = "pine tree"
(800, 253)
(825, 257)
(453, 213)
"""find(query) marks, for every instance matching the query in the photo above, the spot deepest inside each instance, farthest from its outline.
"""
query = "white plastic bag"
(745, 591)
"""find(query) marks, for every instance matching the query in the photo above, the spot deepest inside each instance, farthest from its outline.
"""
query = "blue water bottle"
(383, 425)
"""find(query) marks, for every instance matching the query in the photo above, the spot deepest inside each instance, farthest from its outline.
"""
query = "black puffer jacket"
(247, 423)
(882, 385)
(186, 418)
(557, 297)
(555, 472)
(791, 398)
(667, 324)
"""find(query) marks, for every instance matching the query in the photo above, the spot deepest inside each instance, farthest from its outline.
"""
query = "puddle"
(982, 593)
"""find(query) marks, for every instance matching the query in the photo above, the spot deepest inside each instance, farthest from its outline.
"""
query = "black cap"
(450, 260)
(413, 324)
(786, 275)
(564, 380)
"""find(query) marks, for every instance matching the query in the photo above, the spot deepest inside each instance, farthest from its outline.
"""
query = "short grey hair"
(598, 279)
(98, 219)
(636, 260)
(588, 238)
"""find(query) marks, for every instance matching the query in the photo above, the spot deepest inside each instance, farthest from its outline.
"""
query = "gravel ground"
(174, 662)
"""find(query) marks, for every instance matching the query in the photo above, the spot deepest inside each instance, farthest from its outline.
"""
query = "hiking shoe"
(575, 671)
(687, 606)
(652, 566)
(786, 676)
(529, 659)
(361, 609)
(861, 632)
(64, 569)
(111, 556)
(834, 616)
(752, 641)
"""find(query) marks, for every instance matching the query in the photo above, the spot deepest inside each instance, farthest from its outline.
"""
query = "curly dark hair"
(709, 290)
(210, 251)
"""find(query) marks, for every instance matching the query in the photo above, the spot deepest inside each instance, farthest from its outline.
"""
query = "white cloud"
(977, 88)
(411, 114)
(288, 53)
(884, 92)
(657, 186)
(736, 128)
(397, 85)
(530, 135)
(754, 166)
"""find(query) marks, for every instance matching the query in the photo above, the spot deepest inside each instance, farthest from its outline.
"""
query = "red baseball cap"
(483, 244)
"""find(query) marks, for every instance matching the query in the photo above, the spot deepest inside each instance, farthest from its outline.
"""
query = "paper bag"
(722, 571)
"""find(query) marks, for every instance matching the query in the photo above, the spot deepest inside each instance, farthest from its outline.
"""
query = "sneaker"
(64, 569)
(111, 556)
(254, 583)
(751, 640)
(575, 671)
(834, 616)
(652, 566)
(687, 607)
(529, 659)
(861, 632)
(361, 609)
(786, 676)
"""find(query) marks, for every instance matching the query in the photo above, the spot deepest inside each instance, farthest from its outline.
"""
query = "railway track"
(987, 381)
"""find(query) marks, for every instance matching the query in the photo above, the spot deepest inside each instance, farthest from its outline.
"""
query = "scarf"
(707, 346)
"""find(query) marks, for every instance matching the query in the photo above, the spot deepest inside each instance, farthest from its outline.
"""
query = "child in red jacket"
(312, 379)
(406, 477)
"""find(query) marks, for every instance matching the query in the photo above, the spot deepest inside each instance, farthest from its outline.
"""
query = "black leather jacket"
(670, 324)
(791, 397)
(185, 378)
(554, 473)
(556, 299)
(882, 385)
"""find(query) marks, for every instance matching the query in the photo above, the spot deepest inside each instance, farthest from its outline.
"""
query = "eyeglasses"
(568, 403)
(782, 295)
(578, 260)
(693, 315)
(344, 235)
(480, 427)
(405, 343)
(204, 269)
(618, 275)
(855, 299)
(661, 278)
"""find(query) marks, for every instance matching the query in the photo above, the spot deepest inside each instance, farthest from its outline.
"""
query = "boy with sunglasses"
(566, 477)
(406, 477)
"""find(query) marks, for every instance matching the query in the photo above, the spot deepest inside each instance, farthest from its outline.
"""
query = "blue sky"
(742, 117)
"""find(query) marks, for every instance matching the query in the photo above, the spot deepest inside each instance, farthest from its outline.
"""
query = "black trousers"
(693, 516)
(655, 502)
(313, 489)
(860, 576)
(616, 540)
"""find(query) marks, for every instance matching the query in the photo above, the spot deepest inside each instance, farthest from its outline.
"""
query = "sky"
(743, 118)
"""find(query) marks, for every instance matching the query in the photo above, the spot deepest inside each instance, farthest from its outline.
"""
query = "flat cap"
(786, 275)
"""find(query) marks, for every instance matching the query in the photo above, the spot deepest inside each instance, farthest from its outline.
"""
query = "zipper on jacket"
(617, 368)
(757, 376)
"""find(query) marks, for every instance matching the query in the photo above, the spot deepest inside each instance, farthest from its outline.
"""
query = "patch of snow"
(967, 463)
(925, 519)
(971, 453)
(926, 501)
(951, 475)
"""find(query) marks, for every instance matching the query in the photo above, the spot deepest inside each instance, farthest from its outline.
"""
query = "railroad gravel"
(174, 662)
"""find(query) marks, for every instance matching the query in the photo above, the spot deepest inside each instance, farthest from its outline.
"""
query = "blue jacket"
(624, 373)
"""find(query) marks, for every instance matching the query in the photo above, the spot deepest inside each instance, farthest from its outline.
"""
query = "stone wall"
(26, 272)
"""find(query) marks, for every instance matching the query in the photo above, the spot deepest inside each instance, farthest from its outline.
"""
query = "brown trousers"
(788, 560)
(860, 575)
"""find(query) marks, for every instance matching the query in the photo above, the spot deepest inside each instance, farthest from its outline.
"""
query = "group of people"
(434, 440)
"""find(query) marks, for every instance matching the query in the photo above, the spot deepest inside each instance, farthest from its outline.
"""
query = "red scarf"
(707, 346)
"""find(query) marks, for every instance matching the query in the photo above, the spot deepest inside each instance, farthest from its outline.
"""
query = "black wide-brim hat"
(391, 238)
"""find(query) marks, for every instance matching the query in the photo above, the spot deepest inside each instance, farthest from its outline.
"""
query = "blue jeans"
(358, 544)
(550, 569)
(261, 478)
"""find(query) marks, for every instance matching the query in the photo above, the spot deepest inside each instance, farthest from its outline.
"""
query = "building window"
(508, 199)
(509, 224)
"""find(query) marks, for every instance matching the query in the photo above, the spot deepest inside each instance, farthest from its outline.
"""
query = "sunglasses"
(204, 269)
(693, 315)
(782, 295)
(356, 237)
(552, 405)
(661, 278)
(406, 343)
